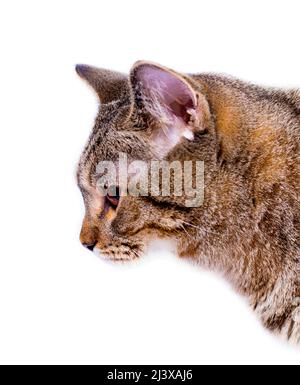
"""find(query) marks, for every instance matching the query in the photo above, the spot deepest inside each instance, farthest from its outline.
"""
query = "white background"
(59, 303)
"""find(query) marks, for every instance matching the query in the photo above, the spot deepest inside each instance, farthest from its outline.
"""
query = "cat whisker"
(199, 228)
(185, 230)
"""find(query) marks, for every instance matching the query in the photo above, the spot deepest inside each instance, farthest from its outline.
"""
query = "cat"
(248, 137)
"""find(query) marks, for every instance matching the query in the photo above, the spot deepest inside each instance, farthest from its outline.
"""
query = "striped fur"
(248, 227)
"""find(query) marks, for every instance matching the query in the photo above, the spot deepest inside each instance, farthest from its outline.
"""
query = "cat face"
(154, 114)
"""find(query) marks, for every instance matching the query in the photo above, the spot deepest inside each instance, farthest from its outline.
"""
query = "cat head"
(154, 116)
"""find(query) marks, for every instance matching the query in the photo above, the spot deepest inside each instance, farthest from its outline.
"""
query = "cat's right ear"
(179, 109)
(109, 85)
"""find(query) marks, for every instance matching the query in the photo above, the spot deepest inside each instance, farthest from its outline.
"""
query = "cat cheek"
(126, 222)
(122, 227)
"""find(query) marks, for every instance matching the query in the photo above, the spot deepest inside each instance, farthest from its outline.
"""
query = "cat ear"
(109, 85)
(170, 99)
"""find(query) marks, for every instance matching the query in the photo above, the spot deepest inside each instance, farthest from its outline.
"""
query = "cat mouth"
(119, 253)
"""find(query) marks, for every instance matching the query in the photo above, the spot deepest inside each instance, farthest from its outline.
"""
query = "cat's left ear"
(176, 106)
(109, 85)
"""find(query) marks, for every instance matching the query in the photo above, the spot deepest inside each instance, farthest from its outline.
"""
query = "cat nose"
(90, 246)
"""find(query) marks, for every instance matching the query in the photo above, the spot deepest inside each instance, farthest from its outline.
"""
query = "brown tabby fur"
(248, 227)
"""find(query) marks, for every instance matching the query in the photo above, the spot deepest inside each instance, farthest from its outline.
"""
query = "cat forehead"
(108, 145)
(117, 111)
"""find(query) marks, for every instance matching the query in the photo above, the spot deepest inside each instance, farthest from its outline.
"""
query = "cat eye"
(113, 199)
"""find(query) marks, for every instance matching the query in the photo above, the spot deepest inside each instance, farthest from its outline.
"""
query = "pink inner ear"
(168, 90)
